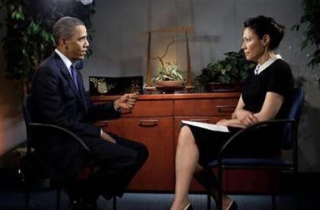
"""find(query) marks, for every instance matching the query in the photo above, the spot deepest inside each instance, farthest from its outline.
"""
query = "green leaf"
(311, 19)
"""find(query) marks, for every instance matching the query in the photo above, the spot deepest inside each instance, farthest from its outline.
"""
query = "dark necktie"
(74, 75)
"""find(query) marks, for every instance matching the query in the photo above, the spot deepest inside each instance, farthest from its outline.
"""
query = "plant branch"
(166, 52)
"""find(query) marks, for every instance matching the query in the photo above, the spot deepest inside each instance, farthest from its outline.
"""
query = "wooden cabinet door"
(206, 107)
(157, 134)
(250, 181)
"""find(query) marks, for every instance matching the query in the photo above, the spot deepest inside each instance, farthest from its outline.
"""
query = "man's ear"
(62, 41)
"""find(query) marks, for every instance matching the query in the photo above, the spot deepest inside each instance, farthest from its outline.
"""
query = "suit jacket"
(56, 100)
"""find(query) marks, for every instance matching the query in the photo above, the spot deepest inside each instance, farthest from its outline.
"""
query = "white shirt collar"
(65, 60)
(260, 68)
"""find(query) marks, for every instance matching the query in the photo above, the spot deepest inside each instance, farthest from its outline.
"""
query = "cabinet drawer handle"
(148, 123)
(200, 120)
(226, 108)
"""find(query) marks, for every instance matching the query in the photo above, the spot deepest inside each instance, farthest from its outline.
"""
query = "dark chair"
(42, 164)
(287, 127)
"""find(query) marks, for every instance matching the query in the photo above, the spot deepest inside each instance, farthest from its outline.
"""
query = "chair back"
(26, 109)
(293, 111)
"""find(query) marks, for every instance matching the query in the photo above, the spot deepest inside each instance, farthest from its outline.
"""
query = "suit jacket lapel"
(65, 72)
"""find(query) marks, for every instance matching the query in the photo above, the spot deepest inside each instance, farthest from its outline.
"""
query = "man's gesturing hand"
(126, 101)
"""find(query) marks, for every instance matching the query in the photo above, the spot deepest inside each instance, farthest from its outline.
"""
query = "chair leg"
(219, 200)
(114, 203)
(273, 193)
(274, 204)
(27, 201)
(25, 186)
(208, 201)
(58, 198)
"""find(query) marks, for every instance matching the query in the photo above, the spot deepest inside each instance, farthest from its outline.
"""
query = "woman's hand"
(231, 123)
(245, 117)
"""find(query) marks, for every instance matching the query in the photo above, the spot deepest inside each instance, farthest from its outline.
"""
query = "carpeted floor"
(45, 200)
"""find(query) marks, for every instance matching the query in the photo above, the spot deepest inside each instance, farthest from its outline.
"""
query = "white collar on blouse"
(260, 68)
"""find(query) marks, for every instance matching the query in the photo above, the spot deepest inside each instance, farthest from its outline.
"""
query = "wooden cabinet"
(155, 122)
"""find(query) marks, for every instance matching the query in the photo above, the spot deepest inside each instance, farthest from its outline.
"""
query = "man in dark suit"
(58, 97)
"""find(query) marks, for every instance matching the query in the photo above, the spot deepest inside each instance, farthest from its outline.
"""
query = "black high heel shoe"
(233, 206)
(188, 207)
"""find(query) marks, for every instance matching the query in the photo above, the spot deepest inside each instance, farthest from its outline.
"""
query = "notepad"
(208, 126)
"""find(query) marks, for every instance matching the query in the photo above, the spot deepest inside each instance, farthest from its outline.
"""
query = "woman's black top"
(275, 78)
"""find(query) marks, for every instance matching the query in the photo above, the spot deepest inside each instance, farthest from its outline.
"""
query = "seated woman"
(264, 92)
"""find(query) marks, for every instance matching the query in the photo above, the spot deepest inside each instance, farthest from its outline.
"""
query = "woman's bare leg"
(187, 156)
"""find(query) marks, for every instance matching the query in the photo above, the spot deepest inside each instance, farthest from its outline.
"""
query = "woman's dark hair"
(262, 25)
